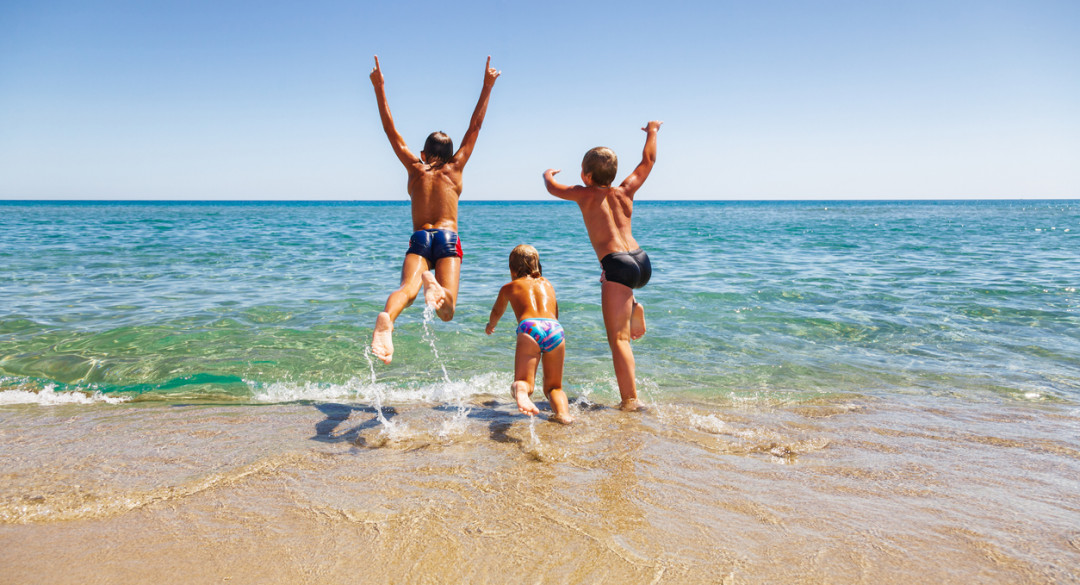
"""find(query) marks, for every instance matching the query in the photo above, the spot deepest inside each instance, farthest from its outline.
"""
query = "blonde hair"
(525, 261)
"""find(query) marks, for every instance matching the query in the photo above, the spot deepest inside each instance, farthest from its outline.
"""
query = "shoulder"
(450, 170)
(591, 194)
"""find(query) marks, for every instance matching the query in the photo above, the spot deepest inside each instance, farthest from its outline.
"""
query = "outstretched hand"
(490, 74)
(653, 126)
(376, 74)
(552, 172)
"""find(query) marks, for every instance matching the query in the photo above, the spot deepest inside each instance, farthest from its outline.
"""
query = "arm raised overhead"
(468, 142)
(648, 159)
(402, 151)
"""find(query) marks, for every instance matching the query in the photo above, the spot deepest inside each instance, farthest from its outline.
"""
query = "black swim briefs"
(435, 244)
(632, 269)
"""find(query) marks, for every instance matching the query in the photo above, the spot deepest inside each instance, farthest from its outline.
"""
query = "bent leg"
(617, 302)
(382, 344)
(440, 291)
(526, 358)
(553, 370)
(637, 321)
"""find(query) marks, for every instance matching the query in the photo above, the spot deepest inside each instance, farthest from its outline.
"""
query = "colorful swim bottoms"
(435, 244)
(548, 333)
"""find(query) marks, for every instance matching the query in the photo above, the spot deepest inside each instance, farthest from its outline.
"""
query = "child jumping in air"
(539, 334)
(625, 266)
(434, 187)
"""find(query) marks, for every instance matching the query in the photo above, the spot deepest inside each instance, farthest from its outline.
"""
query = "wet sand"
(848, 489)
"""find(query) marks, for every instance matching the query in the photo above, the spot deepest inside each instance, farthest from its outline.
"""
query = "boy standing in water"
(434, 187)
(625, 266)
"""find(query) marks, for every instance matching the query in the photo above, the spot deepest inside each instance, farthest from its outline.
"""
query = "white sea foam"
(48, 396)
(710, 423)
(454, 392)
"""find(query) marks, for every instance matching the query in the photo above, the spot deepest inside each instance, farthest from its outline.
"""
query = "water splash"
(532, 433)
(456, 425)
(429, 337)
(376, 396)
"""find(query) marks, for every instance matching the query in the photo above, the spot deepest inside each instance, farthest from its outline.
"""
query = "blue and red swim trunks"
(435, 244)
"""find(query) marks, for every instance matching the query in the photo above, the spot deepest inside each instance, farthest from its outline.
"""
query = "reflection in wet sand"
(842, 490)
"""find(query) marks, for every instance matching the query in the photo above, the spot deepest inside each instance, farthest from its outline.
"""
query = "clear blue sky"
(760, 99)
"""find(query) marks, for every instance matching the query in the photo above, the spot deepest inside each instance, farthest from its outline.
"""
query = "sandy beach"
(849, 490)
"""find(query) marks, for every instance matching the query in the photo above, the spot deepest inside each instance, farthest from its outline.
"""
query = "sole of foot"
(435, 296)
(521, 395)
(382, 344)
(637, 321)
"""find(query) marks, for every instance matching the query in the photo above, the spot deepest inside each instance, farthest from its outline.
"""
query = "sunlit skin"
(434, 187)
(607, 212)
(533, 298)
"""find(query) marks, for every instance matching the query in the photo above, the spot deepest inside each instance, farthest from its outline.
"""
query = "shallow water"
(839, 393)
(234, 301)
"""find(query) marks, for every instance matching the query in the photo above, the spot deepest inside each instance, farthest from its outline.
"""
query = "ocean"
(837, 391)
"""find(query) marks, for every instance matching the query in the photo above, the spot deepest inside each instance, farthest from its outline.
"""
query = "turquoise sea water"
(785, 301)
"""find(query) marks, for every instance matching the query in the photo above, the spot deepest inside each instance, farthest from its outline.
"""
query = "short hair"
(439, 146)
(601, 164)
(525, 261)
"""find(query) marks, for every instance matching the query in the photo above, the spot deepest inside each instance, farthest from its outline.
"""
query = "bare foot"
(564, 419)
(631, 405)
(637, 321)
(435, 296)
(520, 392)
(382, 345)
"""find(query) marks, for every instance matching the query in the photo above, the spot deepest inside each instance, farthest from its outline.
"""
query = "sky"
(764, 99)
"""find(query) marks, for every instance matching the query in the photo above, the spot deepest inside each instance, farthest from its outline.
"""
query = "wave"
(48, 396)
(379, 392)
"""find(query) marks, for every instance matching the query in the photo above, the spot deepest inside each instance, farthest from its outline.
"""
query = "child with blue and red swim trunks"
(434, 188)
(539, 334)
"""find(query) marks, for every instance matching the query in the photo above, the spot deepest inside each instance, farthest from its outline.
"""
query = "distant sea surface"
(837, 392)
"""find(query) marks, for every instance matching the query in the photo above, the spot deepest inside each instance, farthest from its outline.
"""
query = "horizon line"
(545, 200)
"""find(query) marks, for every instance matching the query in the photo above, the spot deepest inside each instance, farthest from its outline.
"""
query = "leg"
(637, 321)
(553, 369)
(617, 302)
(382, 344)
(526, 360)
(440, 291)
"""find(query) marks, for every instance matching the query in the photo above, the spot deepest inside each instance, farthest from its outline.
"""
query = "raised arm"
(648, 159)
(402, 151)
(497, 311)
(558, 189)
(469, 141)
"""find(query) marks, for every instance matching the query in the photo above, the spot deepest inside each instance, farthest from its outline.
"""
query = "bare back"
(434, 192)
(606, 212)
(531, 298)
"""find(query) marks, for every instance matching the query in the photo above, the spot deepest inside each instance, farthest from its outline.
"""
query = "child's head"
(600, 164)
(525, 261)
(438, 148)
